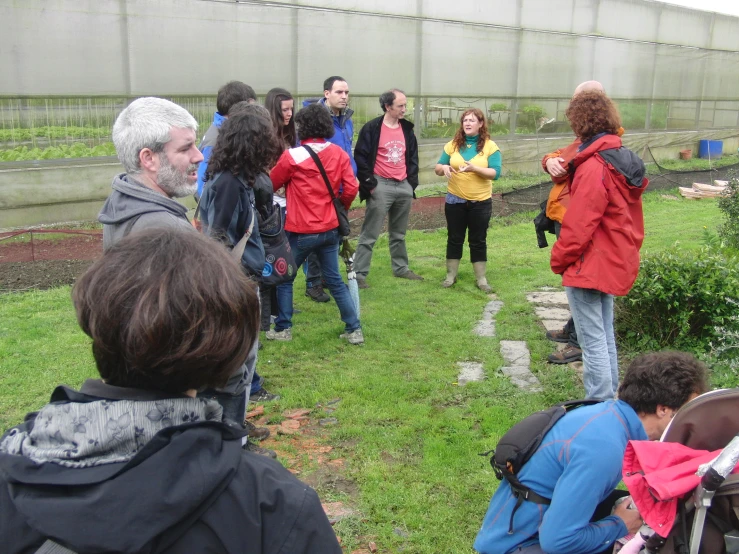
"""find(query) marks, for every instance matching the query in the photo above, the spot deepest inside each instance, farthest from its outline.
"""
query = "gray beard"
(173, 182)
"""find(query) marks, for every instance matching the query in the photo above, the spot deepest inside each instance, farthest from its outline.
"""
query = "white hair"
(146, 123)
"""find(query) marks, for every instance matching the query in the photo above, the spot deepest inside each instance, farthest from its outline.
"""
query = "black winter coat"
(191, 488)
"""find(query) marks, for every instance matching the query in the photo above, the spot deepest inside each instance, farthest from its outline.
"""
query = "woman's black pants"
(473, 219)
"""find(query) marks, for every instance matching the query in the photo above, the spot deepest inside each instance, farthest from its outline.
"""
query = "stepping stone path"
(551, 308)
(469, 371)
(486, 326)
(516, 355)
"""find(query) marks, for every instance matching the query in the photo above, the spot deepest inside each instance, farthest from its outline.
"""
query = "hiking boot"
(256, 433)
(284, 335)
(317, 294)
(254, 449)
(561, 335)
(355, 337)
(263, 395)
(569, 354)
(410, 275)
(362, 282)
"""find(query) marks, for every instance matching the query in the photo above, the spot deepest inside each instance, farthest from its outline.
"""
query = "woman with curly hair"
(237, 182)
(312, 225)
(470, 162)
(597, 252)
(236, 186)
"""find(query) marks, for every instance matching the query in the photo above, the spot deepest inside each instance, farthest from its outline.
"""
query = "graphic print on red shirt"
(390, 162)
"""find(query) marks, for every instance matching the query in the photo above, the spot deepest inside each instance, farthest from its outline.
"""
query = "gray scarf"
(88, 434)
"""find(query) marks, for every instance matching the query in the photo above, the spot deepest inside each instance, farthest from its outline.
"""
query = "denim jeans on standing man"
(592, 311)
(326, 246)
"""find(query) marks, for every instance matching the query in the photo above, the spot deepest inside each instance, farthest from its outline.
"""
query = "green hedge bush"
(53, 132)
(681, 300)
(74, 150)
(729, 206)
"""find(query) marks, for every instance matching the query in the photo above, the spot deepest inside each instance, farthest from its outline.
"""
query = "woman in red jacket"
(312, 223)
(597, 253)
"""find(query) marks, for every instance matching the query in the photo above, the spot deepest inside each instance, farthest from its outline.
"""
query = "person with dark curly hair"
(470, 162)
(134, 461)
(312, 223)
(236, 180)
(579, 461)
(597, 252)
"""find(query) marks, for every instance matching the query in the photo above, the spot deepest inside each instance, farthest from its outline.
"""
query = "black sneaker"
(263, 395)
(254, 449)
(256, 433)
(317, 294)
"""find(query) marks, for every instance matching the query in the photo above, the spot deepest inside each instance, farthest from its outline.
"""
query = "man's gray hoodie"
(132, 206)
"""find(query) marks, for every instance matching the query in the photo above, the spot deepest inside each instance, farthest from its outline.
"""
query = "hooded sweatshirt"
(132, 206)
(603, 229)
(110, 469)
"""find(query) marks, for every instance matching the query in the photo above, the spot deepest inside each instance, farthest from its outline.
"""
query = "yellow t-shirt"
(470, 186)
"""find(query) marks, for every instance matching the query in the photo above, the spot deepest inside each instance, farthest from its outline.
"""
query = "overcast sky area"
(721, 6)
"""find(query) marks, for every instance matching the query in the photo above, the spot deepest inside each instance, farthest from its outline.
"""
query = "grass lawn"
(408, 434)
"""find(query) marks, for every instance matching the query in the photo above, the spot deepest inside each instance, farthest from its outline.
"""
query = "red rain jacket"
(603, 228)
(658, 474)
(309, 206)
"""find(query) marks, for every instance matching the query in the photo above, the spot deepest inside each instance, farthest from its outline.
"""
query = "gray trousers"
(391, 198)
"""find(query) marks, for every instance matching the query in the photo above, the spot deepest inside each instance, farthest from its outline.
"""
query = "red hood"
(629, 168)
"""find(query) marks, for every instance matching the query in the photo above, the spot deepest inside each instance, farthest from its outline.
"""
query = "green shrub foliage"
(681, 300)
(729, 206)
(74, 150)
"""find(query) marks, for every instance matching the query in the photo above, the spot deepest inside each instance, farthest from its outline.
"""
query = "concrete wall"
(59, 191)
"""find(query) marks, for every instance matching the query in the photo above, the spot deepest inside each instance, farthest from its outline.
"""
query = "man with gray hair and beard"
(155, 142)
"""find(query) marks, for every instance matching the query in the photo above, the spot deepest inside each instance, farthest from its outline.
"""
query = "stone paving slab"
(522, 378)
(518, 360)
(469, 371)
(550, 298)
(486, 326)
(548, 312)
(515, 353)
(553, 324)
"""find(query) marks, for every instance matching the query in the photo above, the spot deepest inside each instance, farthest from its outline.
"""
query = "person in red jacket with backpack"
(597, 253)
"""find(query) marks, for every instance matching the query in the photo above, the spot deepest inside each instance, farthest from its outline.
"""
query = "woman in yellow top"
(470, 161)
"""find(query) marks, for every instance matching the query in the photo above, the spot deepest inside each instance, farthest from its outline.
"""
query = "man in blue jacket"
(336, 100)
(229, 94)
(579, 461)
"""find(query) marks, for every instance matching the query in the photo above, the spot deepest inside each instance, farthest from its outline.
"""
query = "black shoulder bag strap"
(317, 160)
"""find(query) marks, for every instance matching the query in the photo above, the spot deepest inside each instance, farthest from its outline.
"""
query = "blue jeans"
(592, 311)
(326, 246)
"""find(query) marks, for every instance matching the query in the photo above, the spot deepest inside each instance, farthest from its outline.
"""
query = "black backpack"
(516, 447)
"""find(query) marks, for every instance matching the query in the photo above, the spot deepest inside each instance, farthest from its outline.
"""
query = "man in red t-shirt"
(387, 169)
